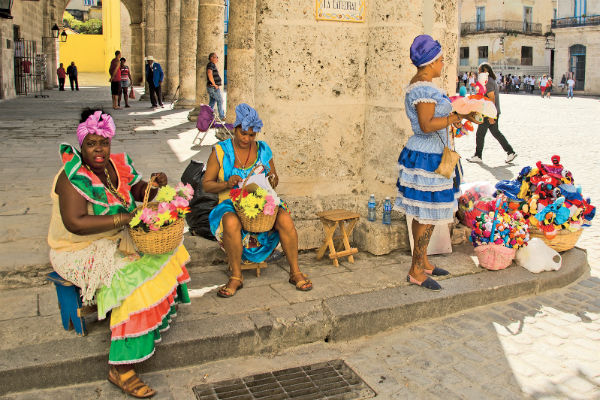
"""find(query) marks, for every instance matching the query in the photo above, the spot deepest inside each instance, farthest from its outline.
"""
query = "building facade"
(576, 30)
(510, 35)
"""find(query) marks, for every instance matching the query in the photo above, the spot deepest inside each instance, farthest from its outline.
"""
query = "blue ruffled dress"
(428, 197)
(256, 246)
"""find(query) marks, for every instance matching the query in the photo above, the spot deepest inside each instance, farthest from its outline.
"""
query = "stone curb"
(347, 317)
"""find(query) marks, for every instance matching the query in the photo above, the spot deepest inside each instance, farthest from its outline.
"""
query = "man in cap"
(154, 77)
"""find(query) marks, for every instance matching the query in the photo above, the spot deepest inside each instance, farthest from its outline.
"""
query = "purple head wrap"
(105, 128)
(424, 50)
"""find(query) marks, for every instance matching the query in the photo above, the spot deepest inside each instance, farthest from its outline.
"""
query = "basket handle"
(249, 175)
(148, 189)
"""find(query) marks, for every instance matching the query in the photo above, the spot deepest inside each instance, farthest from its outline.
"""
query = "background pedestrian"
(213, 83)
(115, 79)
(154, 77)
(60, 72)
(126, 81)
(570, 87)
(72, 72)
(489, 123)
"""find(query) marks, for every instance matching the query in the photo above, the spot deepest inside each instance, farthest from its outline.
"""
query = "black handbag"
(201, 204)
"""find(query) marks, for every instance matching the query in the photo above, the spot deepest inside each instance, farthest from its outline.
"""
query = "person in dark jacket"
(154, 77)
(72, 72)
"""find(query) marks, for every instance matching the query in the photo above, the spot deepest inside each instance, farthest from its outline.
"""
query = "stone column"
(241, 54)
(172, 72)
(160, 39)
(211, 38)
(188, 42)
(149, 47)
(136, 63)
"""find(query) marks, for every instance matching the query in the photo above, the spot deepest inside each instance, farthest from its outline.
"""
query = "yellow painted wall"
(93, 53)
(111, 29)
(86, 50)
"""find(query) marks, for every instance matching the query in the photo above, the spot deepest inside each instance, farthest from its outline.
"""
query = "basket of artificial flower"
(255, 207)
(157, 227)
(497, 236)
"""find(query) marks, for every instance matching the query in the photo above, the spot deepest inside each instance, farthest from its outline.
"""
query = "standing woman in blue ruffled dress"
(429, 198)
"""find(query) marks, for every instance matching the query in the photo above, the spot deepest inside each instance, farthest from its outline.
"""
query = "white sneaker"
(475, 159)
(511, 157)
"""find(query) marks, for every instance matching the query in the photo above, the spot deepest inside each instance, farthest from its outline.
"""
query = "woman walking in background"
(489, 123)
(126, 82)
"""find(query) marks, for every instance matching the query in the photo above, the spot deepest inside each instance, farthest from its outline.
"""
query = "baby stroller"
(208, 119)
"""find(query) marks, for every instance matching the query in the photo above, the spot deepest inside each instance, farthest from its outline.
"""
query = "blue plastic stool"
(69, 302)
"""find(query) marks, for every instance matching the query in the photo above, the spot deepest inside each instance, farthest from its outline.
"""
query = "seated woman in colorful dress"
(426, 196)
(229, 164)
(93, 196)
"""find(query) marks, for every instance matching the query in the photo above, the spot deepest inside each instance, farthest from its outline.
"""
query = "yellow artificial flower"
(163, 218)
(135, 221)
(251, 212)
(165, 193)
(260, 192)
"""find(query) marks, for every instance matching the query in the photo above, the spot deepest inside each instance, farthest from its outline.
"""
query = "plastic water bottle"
(387, 211)
(371, 214)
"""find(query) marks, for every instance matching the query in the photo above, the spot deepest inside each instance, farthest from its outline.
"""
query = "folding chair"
(208, 119)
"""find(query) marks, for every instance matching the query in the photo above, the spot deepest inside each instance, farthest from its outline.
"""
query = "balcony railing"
(467, 28)
(575, 21)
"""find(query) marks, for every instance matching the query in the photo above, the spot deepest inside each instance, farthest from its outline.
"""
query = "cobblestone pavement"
(544, 347)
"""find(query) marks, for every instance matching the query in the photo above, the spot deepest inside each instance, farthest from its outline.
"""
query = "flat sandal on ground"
(302, 284)
(130, 383)
(227, 292)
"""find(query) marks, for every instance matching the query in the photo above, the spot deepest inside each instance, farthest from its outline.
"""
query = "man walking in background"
(72, 72)
(154, 77)
(115, 79)
(213, 83)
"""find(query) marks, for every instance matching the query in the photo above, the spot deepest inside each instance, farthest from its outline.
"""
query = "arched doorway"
(577, 65)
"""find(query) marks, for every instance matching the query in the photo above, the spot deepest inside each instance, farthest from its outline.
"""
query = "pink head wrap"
(105, 128)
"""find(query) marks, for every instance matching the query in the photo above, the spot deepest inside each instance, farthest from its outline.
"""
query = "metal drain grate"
(327, 380)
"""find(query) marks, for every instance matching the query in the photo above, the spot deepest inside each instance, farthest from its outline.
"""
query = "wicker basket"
(260, 223)
(165, 240)
(563, 241)
(494, 256)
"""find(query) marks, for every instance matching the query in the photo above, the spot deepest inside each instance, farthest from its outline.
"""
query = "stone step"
(200, 337)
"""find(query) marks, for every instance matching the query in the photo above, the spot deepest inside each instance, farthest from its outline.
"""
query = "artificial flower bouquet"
(173, 204)
(497, 235)
(256, 207)
(157, 227)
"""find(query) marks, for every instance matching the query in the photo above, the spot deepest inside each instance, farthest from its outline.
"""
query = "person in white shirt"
(471, 85)
(543, 84)
(570, 86)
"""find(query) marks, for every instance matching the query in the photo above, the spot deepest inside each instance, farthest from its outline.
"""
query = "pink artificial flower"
(153, 227)
(269, 208)
(148, 216)
(269, 199)
(165, 207)
(186, 191)
(180, 202)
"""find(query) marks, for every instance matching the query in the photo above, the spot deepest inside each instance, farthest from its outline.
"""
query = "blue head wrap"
(247, 117)
(424, 50)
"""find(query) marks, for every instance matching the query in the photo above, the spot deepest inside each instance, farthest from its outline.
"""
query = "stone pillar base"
(379, 239)
(185, 103)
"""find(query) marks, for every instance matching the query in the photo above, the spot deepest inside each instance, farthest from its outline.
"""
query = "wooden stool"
(346, 220)
(256, 266)
(69, 301)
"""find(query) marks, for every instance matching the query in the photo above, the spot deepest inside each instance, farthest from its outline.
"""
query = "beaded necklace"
(111, 188)
(238, 159)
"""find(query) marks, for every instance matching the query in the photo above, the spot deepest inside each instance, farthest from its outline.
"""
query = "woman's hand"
(233, 181)
(472, 117)
(161, 179)
(457, 124)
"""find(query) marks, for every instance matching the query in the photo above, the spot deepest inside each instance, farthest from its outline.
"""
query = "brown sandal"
(227, 292)
(130, 383)
(301, 285)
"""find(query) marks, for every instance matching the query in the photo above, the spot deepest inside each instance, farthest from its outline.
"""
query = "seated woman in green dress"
(229, 164)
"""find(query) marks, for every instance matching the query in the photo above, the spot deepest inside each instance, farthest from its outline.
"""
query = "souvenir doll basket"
(563, 241)
(494, 256)
(162, 241)
(261, 222)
